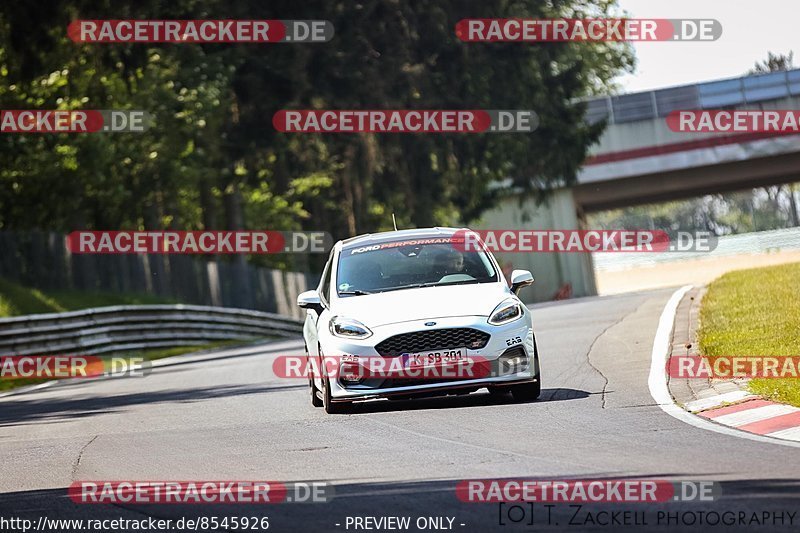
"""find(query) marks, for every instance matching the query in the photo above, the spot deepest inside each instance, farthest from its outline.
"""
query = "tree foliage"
(764, 208)
(212, 158)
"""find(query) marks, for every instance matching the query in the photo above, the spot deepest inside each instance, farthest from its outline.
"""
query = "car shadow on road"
(50, 410)
(473, 400)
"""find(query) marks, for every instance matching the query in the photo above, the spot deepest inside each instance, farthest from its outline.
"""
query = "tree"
(212, 157)
(774, 63)
(777, 63)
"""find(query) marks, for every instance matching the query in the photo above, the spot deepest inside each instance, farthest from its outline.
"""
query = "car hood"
(404, 305)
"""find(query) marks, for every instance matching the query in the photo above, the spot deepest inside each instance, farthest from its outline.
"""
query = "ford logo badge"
(430, 323)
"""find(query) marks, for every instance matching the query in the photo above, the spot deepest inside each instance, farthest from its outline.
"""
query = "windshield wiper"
(401, 287)
(430, 284)
(445, 284)
(461, 282)
(355, 292)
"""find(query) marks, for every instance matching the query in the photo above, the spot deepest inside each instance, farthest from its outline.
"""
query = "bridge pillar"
(557, 275)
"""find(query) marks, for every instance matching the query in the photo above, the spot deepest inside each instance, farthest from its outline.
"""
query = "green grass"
(755, 312)
(13, 383)
(16, 300)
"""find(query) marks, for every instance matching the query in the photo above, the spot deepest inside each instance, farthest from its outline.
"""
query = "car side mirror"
(310, 300)
(519, 279)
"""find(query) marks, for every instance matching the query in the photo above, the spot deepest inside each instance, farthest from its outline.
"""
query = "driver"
(455, 263)
(450, 263)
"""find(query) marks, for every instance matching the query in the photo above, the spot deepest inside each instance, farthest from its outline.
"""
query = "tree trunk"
(234, 221)
(347, 189)
(208, 205)
(793, 203)
(158, 270)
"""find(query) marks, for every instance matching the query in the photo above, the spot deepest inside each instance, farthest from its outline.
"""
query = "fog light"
(513, 361)
(517, 361)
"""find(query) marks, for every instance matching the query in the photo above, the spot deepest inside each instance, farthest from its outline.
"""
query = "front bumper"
(504, 338)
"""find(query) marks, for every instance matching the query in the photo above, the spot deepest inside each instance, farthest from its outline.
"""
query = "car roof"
(388, 236)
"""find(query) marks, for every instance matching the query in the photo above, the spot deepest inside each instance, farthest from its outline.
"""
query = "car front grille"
(435, 339)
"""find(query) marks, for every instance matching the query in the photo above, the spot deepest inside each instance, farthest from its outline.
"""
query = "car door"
(315, 320)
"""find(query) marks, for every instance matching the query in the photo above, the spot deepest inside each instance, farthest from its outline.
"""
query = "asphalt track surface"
(227, 417)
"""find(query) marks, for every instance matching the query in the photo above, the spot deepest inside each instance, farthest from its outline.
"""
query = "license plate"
(452, 356)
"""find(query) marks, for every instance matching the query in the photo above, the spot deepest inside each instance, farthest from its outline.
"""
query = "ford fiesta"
(414, 300)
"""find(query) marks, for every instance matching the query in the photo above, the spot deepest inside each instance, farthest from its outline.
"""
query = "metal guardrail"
(126, 328)
(759, 242)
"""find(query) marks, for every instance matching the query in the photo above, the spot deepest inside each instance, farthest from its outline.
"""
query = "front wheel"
(315, 399)
(331, 407)
(527, 392)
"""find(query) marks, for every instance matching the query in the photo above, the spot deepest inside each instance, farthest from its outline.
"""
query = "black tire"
(331, 407)
(527, 392)
(315, 399)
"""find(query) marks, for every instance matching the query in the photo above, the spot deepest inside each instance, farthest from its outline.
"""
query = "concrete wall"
(655, 132)
(551, 271)
(699, 150)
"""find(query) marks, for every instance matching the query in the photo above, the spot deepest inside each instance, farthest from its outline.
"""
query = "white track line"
(657, 382)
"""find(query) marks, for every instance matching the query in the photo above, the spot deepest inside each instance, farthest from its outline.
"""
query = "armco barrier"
(126, 328)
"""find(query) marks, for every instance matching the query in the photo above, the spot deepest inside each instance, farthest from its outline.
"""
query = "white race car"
(417, 302)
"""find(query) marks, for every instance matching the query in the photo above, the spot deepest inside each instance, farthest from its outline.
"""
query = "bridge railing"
(130, 328)
(711, 95)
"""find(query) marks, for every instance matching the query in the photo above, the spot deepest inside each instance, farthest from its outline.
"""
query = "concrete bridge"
(639, 159)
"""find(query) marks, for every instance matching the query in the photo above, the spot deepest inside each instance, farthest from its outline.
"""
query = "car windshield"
(400, 265)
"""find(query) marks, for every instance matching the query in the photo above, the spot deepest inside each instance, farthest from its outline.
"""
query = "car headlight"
(507, 311)
(348, 328)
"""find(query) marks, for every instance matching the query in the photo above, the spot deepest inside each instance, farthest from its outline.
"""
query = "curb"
(724, 402)
(761, 417)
